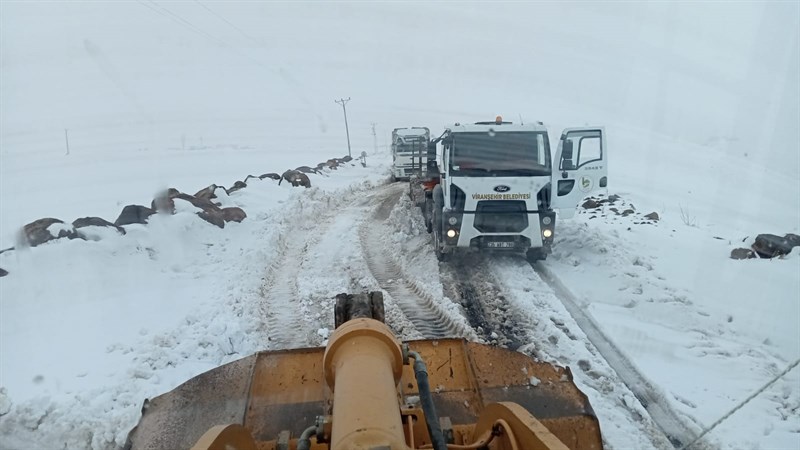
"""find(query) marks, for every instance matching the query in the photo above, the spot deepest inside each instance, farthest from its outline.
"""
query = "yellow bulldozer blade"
(275, 396)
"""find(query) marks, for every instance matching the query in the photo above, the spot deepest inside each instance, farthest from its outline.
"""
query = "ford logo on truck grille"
(501, 188)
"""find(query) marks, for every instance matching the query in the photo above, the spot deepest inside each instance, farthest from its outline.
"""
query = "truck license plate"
(500, 245)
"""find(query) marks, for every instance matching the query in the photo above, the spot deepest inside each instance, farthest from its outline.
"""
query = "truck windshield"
(508, 153)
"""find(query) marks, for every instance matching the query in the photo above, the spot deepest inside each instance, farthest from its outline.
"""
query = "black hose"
(431, 418)
(304, 442)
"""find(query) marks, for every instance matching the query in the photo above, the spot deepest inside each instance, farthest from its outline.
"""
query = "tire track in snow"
(487, 309)
(282, 306)
(674, 428)
(283, 309)
(418, 305)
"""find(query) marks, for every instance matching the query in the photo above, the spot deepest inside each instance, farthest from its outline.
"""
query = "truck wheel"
(438, 247)
(427, 212)
(438, 203)
(535, 254)
(438, 242)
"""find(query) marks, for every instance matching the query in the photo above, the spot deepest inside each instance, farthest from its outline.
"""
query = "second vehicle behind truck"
(409, 152)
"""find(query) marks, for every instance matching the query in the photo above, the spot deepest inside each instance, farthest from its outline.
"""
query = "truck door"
(580, 167)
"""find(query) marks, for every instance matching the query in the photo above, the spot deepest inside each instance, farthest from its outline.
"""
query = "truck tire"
(436, 224)
(438, 246)
(535, 254)
(427, 213)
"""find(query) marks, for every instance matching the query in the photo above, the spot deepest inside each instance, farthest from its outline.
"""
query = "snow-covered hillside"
(701, 103)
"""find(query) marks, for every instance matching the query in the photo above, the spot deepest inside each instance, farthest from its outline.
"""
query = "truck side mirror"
(566, 157)
(566, 150)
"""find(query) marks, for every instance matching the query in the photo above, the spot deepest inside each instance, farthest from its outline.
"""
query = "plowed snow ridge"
(674, 428)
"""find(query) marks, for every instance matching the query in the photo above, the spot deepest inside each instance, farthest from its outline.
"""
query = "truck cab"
(409, 152)
(500, 187)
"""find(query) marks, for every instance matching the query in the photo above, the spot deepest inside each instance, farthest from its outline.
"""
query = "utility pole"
(374, 138)
(66, 138)
(343, 102)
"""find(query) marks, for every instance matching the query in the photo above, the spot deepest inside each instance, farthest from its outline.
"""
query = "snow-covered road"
(496, 299)
(103, 104)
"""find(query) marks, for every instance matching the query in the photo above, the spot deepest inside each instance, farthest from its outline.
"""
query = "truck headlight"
(547, 232)
(452, 221)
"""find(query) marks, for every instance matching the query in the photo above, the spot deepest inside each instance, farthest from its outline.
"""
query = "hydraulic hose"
(431, 418)
(304, 442)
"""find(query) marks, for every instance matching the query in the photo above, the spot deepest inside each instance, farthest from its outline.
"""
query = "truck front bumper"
(460, 231)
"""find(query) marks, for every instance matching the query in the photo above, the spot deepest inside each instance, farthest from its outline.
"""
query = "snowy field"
(701, 103)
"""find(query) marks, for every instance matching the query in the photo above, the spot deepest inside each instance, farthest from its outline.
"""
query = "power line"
(163, 11)
(197, 30)
(155, 7)
(228, 22)
(742, 403)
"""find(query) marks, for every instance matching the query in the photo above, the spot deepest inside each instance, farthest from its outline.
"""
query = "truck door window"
(587, 147)
(589, 150)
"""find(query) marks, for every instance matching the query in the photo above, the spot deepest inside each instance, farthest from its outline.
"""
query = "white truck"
(409, 152)
(498, 188)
